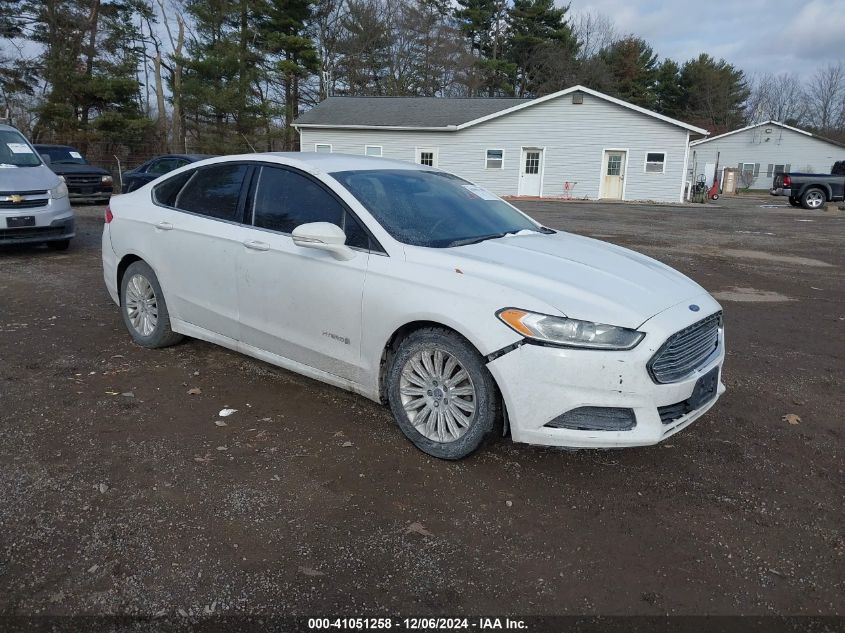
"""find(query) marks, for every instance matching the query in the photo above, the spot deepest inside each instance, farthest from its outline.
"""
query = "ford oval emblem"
(694, 308)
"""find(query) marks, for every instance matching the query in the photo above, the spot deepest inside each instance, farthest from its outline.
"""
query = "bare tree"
(594, 31)
(776, 97)
(826, 99)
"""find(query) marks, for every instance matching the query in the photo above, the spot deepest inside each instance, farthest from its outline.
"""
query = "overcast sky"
(755, 35)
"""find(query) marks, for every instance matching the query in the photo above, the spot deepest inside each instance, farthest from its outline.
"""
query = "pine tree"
(714, 94)
(633, 67)
(539, 38)
(668, 92)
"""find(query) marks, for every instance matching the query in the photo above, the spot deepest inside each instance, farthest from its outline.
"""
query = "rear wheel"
(442, 395)
(143, 308)
(813, 199)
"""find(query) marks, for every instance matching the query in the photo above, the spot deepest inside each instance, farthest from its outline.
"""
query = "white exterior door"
(531, 172)
(613, 175)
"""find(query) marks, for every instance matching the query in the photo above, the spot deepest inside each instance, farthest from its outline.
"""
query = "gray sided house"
(574, 143)
(764, 149)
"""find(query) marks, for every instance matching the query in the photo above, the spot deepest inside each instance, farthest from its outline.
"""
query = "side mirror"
(46, 158)
(323, 236)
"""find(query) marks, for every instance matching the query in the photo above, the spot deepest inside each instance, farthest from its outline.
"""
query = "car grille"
(686, 350)
(83, 181)
(29, 203)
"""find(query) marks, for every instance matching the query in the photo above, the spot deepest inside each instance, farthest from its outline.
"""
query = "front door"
(613, 179)
(300, 303)
(531, 172)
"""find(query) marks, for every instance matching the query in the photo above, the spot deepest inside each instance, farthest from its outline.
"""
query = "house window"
(372, 150)
(614, 165)
(495, 158)
(748, 168)
(427, 156)
(323, 148)
(655, 162)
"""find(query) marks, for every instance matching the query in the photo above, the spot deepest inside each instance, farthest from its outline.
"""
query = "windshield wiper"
(481, 238)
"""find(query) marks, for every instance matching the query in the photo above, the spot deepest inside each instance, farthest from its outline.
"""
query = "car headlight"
(106, 180)
(569, 332)
(60, 191)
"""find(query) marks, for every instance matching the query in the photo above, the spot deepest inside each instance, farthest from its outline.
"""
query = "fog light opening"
(595, 419)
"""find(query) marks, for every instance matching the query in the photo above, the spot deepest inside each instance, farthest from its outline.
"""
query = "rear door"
(197, 243)
(300, 303)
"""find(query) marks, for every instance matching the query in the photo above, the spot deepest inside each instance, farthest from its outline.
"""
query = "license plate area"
(21, 221)
(705, 389)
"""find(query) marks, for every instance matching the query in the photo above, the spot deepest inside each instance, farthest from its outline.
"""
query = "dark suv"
(85, 183)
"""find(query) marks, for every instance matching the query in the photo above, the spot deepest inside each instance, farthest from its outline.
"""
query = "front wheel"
(442, 395)
(143, 308)
(813, 199)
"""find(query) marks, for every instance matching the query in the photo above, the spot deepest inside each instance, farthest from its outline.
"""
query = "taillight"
(787, 181)
(109, 215)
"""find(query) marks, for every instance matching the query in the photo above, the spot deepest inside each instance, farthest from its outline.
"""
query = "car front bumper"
(53, 221)
(540, 383)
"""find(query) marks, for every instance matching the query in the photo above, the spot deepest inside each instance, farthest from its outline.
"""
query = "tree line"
(228, 75)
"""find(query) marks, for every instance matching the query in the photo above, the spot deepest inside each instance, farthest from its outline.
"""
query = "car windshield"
(435, 209)
(15, 151)
(63, 155)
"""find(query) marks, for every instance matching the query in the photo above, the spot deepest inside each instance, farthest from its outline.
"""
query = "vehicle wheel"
(813, 199)
(715, 196)
(58, 245)
(442, 395)
(144, 309)
(795, 202)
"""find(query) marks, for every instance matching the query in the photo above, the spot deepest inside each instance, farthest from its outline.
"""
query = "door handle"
(164, 226)
(254, 245)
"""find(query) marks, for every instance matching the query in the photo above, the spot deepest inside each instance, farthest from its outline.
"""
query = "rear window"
(213, 191)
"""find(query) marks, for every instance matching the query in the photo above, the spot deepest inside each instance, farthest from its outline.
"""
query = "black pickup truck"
(85, 182)
(811, 191)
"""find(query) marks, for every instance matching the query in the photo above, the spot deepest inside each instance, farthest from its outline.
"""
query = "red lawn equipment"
(713, 192)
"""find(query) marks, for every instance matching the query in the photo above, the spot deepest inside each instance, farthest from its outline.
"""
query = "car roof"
(191, 157)
(340, 162)
(52, 146)
(8, 128)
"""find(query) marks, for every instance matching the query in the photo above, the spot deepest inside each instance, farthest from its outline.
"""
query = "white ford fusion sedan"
(420, 290)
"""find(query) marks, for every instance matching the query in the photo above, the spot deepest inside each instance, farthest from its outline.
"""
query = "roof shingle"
(429, 112)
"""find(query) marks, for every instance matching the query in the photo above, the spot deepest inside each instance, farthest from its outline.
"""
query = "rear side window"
(214, 191)
(285, 199)
(166, 192)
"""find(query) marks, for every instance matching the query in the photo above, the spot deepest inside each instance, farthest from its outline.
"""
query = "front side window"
(15, 151)
(284, 199)
(433, 209)
(495, 158)
(214, 191)
(655, 162)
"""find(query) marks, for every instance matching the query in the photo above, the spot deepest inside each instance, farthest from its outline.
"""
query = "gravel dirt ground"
(119, 493)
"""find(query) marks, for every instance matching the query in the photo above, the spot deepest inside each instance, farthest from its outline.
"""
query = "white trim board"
(751, 127)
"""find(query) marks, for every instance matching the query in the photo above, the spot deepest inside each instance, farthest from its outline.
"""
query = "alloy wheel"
(141, 305)
(438, 395)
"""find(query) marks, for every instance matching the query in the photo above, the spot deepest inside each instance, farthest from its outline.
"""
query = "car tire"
(813, 199)
(438, 374)
(144, 309)
(795, 202)
(59, 245)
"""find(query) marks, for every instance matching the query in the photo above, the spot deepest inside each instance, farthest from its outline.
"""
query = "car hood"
(581, 277)
(27, 179)
(65, 169)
